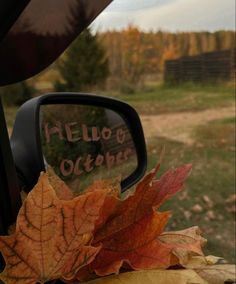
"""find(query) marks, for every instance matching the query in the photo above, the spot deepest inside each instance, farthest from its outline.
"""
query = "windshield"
(42, 32)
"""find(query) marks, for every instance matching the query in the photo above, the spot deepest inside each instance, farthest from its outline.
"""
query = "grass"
(213, 175)
(217, 134)
(187, 97)
(168, 99)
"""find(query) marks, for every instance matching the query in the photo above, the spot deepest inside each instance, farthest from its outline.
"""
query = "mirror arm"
(10, 200)
(26, 142)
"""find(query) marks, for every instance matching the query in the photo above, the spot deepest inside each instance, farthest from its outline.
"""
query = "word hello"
(75, 133)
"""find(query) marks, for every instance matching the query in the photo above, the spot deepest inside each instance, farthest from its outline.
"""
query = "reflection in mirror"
(85, 143)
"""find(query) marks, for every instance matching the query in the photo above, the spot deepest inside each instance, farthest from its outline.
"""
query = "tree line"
(121, 60)
(133, 54)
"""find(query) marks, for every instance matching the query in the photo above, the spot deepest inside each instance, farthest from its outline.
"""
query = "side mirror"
(82, 137)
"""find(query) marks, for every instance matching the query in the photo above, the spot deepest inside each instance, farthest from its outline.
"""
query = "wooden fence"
(206, 67)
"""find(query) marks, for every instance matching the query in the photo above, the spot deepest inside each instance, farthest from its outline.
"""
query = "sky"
(171, 15)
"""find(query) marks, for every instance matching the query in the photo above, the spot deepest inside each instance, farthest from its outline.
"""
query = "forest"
(135, 55)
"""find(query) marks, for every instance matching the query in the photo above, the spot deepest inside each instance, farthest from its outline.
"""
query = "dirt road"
(179, 126)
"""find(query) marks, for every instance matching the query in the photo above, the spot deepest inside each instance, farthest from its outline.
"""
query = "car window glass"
(42, 32)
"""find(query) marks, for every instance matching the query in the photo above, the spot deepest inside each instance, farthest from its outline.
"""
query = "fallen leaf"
(52, 237)
(183, 196)
(110, 204)
(231, 199)
(136, 245)
(197, 208)
(184, 244)
(208, 201)
(218, 274)
(213, 269)
(201, 261)
(112, 186)
(98, 232)
(212, 259)
(211, 215)
(152, 277)
(149, 195)
(231, 203)
(62, 190)
(187, 214)
(111, 200)
(130, 234)
(201, 272)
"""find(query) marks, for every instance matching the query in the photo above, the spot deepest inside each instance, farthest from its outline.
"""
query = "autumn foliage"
(96, 233)
(134, 54)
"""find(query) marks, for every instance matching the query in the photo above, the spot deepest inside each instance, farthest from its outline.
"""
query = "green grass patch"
(213, 175)
(178, 98)
(216, 134)
(229, 120)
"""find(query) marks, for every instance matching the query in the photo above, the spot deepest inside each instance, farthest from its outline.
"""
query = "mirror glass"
(85, 143)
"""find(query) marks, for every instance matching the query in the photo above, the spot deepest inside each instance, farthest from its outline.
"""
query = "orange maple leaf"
(131, 233)
(52, 237)
(137, 245)
(62, 190)
(96, 232)
(111, 200)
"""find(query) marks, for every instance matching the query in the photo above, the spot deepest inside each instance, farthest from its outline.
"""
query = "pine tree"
(84, 65)
(16, 94)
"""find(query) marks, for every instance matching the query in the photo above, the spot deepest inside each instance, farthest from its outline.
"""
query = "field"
(157, 99)
(196, 124)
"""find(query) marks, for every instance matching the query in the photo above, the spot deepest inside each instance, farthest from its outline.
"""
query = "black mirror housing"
(26, 138)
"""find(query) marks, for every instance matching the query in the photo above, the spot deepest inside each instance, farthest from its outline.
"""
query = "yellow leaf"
(213, 269)
(211, 260)
(185, 244)
(218, 274)
(201, 261)
(153, 277)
